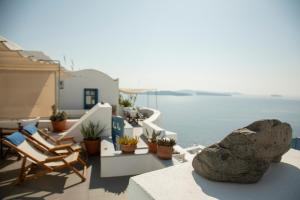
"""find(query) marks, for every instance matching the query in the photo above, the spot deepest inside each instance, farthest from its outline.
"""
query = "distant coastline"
(189, 93)
(276, 95)
(167, 93)
(212, 94)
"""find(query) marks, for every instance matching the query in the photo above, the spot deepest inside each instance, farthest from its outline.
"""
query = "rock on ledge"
(245, 154)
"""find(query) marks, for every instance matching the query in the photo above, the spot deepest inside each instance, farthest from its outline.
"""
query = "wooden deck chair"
(29, 150)
(48, 142)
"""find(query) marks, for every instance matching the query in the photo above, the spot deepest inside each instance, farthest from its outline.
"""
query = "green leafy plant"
(58, 116)
(153, 137)
(166, 142)
(126, 140)
(91, 131)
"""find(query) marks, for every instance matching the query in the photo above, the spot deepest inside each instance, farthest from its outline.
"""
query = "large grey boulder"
(244, 155)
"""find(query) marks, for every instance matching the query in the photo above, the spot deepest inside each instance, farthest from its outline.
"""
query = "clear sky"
(250, 46)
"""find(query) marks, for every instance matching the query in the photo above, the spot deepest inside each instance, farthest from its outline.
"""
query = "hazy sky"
(248, 46)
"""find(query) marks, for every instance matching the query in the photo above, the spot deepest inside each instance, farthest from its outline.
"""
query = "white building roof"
(35, 55)
(10, 45)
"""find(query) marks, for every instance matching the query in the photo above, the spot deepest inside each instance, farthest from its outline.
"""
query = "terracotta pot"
(152, 147)
(59, 126)
(92, 146)
(164, 152)
(128, 148)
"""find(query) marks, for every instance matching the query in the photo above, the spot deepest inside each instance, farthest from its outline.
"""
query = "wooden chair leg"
(77, 172)
(84, 167)
(82, 162)
(82, 176)
(22, 171)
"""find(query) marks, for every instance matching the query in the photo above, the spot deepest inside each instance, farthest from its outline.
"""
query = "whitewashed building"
(83, 89)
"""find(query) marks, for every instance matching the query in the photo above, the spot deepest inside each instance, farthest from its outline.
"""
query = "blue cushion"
(16, 138)
(30, 128)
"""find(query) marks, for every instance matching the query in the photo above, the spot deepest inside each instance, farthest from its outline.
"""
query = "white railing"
(153, 123)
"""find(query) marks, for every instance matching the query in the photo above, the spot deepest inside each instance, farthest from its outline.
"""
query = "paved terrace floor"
(61, 185)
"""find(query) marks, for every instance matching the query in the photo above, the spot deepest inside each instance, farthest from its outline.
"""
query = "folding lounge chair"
(29, 150)
(42, 139)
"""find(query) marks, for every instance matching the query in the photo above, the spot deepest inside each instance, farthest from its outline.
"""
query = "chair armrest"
(54, 158)
(67, 138)
(46, 136)
(61, 146)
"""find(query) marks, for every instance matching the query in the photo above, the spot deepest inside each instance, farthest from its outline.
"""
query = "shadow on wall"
(27, 94)
(277, 183)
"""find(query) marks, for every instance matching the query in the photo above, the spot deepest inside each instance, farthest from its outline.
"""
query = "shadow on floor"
(32, 189)
(47, 185)
(114, 184)
(61, 185)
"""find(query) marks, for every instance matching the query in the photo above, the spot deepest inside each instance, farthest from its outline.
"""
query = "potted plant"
(58, 120)
(91, 134)
(152, 141)
(128, 144)
(165, 148)
(127, 102)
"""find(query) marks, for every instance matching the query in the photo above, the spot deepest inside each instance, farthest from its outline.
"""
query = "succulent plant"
(153, 138)
(127, 102)
(91, 131)
(126, 140)
(169, 142)
(58, 116)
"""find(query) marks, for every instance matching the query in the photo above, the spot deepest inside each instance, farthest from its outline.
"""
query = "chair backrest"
(16, 138)
(33, 133)
(31, 129)
(20, 144)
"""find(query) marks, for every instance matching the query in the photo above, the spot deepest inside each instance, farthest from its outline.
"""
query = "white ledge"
(281, 181)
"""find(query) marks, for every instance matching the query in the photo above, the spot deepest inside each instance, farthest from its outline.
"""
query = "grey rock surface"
(244, 155)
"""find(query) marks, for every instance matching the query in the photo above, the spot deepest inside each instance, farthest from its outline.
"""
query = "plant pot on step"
(92, 146)
(165, 148)
(59, 126)
(127, 149)
(128, 144)
(58, 120)
(164, 152)
(91, 133)
(152, 146)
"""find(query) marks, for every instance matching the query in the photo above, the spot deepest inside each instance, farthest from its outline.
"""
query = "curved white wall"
(153, 123)
(75, 82)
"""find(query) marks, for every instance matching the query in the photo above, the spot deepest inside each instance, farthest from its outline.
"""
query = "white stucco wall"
(99, 113)
(281, 181)
(72, 96)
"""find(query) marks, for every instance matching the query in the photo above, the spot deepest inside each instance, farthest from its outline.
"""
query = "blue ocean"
(207, 119)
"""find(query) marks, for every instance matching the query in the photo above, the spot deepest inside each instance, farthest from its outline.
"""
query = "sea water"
(207, 119)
